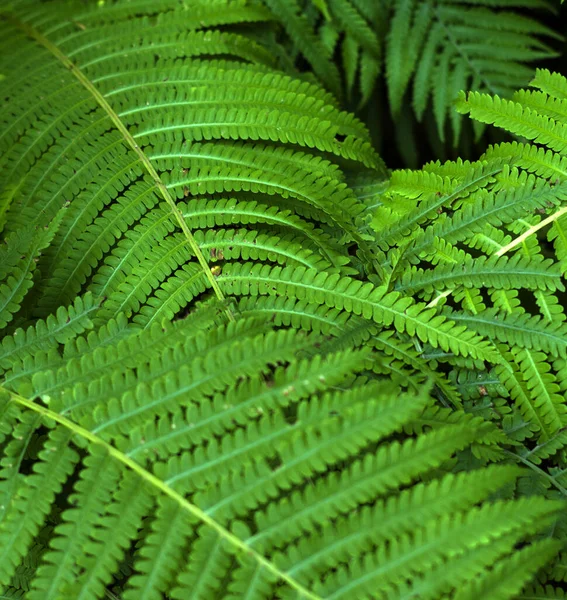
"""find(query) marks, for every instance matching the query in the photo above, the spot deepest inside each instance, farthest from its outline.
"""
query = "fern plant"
(468, 237)
(222, 377)
(455, 46)
(425, 53)
(484, 243)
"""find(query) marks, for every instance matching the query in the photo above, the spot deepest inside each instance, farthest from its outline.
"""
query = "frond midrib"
(129, 140)
(161, 487)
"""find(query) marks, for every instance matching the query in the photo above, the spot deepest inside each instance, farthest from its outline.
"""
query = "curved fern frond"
(430, 51)
(19, 261)
(248, 365)
(337, 424)
(150, 155)
(299, 28)
(60, 328)
(495, 272)
(362, 299)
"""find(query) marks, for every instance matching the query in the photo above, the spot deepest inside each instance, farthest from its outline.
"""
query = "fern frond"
(508, 578)
(93, 491)
(23, 515)
(461, 46)
(226, 380)
(124, 197)
(116, 528)
(19, 260)
(513, 116)
(217, 369)
(546, 449)
(382, 568)
(550, 83)
(417, 455)
(289, 13)
(519, 329)
(493, 272)
(162, 552)
(538, 414)
(362, 299)
(118, 347)
(543, 387)
(357, 26)
(169, 436)
(542, 593)
(60, 328)
(395, 516)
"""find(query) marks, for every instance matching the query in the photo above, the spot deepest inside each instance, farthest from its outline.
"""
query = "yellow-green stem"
(161, 487)
(67, 63)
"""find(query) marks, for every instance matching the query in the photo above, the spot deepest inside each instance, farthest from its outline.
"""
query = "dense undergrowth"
(240, 358)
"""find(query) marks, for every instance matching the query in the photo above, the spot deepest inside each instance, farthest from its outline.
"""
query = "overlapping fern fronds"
(236, 468)
(219, 380)
(485, 242)
(426, 52)
(473, 243)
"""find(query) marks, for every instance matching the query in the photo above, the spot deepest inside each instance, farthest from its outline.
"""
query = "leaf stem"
(129, 139)
(163, 488)
(531, 231)
(537, 470)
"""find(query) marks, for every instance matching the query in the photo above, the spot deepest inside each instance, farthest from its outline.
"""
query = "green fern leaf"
(510, 577)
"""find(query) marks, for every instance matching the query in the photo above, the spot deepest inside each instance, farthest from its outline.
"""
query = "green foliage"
(473, 243)
(459, 45)
(239, 359)
(426, 52)
(483, 243)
